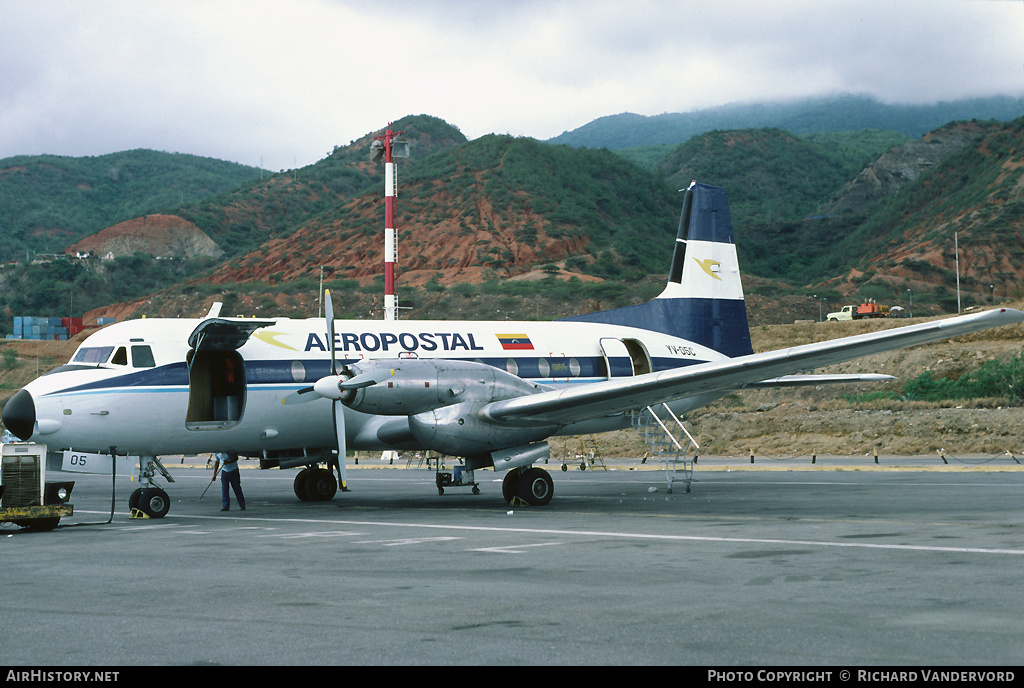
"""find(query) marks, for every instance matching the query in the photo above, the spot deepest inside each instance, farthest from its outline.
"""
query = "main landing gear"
(315, 484)
(529, 484)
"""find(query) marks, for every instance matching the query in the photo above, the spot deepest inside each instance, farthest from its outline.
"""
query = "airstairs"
(669, 441)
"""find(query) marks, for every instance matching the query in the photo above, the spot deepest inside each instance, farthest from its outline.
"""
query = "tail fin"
(703, 300)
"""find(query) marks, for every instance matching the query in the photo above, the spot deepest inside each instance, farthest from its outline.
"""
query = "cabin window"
(142, 356)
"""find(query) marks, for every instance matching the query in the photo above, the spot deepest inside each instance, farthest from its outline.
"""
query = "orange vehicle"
(871, 310)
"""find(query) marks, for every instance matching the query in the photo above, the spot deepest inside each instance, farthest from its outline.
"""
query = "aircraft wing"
(622, 394)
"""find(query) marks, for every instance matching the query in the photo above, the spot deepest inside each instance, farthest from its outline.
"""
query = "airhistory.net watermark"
(57, 676)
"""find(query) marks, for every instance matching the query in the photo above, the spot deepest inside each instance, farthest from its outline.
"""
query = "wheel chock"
(138, 513)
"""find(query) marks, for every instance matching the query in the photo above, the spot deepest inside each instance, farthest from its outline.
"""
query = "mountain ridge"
(50, 201)
(503, 210)
(844, 112)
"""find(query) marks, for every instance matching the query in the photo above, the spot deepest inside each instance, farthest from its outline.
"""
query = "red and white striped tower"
(390, 245)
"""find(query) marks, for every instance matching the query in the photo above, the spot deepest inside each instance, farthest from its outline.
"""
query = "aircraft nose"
(19, 415)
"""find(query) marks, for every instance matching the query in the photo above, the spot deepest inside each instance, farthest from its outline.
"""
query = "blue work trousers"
(235, 481)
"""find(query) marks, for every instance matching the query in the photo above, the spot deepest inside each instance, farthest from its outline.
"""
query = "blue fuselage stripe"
(266, 375)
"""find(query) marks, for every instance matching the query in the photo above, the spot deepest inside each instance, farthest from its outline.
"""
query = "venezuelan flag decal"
(514, 341)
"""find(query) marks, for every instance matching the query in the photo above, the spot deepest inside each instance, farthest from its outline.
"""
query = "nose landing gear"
(150, 499)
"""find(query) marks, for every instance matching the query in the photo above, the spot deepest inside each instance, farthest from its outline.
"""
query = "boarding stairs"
(669, 441)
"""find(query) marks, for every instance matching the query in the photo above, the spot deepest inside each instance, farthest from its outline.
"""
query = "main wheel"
(300, 485)
(536, 486)
(133, 500)
(510, 485)
(154, 502)
(321, 485)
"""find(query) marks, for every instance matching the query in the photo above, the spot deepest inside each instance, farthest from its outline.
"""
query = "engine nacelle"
(407, 387)
(459, 430)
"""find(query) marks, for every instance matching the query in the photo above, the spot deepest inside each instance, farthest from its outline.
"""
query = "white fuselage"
(129, 385)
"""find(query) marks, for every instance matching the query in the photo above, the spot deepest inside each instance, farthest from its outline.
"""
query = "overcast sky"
(279, 84)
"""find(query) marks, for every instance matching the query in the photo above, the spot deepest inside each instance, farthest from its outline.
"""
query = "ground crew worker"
(228, 464)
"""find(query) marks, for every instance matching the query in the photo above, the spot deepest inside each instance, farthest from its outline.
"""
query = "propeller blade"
(339, 431)
(366, 379)
(329, 387)
(329, 312)
(300, 397)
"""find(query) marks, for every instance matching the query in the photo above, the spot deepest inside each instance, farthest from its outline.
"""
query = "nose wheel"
(531, 485)
(151, 501)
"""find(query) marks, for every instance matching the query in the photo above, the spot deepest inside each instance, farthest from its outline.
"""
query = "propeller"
(328, 387)
(333, 387)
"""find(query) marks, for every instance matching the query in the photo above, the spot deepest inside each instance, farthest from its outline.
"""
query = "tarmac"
(836, 564)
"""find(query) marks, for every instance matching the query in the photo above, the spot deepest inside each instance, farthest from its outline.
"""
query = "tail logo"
(708, 265)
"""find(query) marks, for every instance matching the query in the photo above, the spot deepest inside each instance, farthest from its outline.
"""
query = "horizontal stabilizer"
(810, 380)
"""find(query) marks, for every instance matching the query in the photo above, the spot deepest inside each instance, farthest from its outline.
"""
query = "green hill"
(506, 224)
(973, 200)
(838, 113)
(48, 202)
(504, 204)
(770, 174)
(622, 211)
(243, 218)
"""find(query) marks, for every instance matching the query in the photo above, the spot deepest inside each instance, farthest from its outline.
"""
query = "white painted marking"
(693, 538)
(312, 534)
(513, 549)
(405, 541)
(542, 532)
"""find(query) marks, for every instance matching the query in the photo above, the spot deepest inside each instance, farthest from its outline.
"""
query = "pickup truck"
(864, 310)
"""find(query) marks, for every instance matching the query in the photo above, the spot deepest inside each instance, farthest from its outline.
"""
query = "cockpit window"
(142, 356)
(92, 354)
(120, 357)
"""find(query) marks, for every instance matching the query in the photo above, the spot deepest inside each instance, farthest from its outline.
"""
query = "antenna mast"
(390, 147)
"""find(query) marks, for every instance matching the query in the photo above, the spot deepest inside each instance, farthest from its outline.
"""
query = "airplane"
(302, 392)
